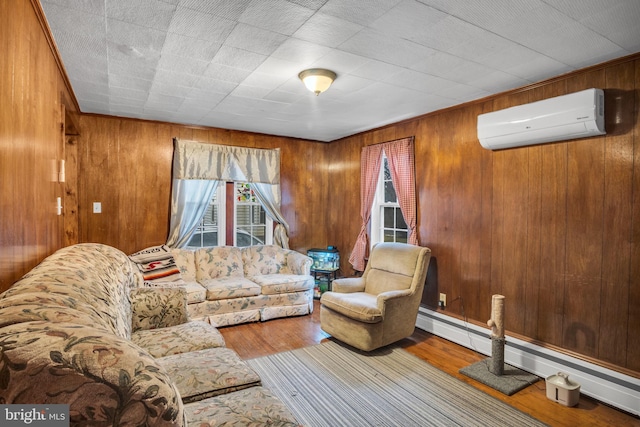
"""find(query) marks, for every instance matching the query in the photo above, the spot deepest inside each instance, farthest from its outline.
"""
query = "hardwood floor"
(253, 340)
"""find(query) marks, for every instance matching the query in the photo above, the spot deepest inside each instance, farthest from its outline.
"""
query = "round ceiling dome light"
(317, 80)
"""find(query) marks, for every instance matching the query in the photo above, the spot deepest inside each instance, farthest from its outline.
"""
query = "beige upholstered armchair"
(381, 306)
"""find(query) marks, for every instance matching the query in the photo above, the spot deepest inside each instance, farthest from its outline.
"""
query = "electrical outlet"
(443, 301)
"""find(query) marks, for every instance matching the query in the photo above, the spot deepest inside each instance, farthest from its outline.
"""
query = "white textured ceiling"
(234, 63)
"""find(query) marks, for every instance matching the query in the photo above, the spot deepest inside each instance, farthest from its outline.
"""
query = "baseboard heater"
(608, 386)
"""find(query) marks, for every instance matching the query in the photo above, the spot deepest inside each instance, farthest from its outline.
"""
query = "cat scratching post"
(493, 371)
(496, 323)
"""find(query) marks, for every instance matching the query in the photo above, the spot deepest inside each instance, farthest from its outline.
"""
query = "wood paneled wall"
(125, 165)
(555, 228)
(33, 91)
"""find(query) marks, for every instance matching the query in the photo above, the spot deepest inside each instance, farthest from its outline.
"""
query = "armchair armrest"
(390, 295)
(299, 263)
(348, 285)
(158, 307)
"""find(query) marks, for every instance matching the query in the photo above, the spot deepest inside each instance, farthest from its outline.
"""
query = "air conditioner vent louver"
(577, 115)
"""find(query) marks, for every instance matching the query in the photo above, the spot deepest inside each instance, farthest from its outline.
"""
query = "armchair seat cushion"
(190, 336)
(207, 373)
(272, 284)
(230, 287)
(359, 306)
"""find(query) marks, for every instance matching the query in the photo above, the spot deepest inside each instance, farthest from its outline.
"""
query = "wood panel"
(633, 330)
(31, 141)
(585, 198)
(618, 193)
(552, 232)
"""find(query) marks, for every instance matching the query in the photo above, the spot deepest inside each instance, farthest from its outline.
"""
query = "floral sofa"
(78, 330)
(230, 285)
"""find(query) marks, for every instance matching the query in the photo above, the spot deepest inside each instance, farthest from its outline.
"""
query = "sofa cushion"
(191, 336)
(255, 406)
(195, 292)
(219, 261)
(158, 307)
(207, 373)
(157, 264)
(230, 287)
(357, 305)
(186, 263)
(283, 283)
(264, 259)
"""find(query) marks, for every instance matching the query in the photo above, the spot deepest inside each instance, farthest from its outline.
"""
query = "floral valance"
(197, 160)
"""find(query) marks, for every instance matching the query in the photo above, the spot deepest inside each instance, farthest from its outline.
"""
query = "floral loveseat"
(229, 285)
(77, 330)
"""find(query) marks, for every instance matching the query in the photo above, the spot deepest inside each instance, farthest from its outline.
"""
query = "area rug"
(333, 385)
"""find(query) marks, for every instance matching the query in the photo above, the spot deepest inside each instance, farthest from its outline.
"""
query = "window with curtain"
(200, 170)
(387, 221)
(249, 223)
(401, 166)
(252, 225)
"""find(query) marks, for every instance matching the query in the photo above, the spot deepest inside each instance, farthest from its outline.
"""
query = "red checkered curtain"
(401, 158)
(369, 169)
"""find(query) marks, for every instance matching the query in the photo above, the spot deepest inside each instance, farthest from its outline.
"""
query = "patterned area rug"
(333, 385)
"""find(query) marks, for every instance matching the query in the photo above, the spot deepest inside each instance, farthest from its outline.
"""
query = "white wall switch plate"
(97, 207)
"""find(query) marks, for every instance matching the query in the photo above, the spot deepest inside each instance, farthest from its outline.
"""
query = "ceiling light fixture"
(317, 80)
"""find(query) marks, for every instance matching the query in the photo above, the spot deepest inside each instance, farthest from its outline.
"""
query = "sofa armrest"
(158, 307)
(299, 263)
(105, 379)
(348, 285)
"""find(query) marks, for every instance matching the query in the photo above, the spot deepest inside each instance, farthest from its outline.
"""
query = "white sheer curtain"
(189, 201)
(196, 161)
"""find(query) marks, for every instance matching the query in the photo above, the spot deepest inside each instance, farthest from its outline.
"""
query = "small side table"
(320, 276)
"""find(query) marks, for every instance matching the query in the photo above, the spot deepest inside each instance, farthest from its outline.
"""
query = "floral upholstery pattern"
(220, 261)
(86, 273)
(105, 379)
(207, 373)
(252, 407)
(230, 287)
(192, 336)
(158, 307)
(83, 329)
(271, 284)
(234, 318)
(237, 305)
(266, 259)
(186, 263)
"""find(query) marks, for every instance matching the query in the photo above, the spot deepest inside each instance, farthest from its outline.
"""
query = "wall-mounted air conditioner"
(577, 115)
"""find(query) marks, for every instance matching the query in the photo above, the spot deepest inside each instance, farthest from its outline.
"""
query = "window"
(251, 226)
(210, 230)
(387, 222)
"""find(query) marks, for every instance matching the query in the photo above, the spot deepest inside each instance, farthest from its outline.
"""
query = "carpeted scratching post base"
(510, 382)
(493, 371)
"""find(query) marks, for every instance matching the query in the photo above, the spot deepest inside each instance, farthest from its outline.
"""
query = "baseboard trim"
(608, 386)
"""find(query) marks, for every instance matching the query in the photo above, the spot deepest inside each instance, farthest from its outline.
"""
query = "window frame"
(378, 228)
(224, 211)
(268, 236)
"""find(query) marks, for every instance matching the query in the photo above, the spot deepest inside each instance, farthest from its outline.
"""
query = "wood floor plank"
(259, 339)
